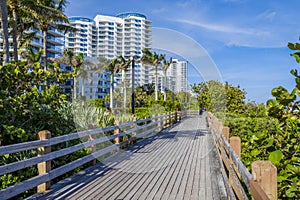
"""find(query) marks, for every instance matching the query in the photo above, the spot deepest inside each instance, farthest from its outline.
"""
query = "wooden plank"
(33, 182)
(208, 176)
(196, 182)
(103, 183)
(56, 140)
(141, 183)
(160, 178)
(136, 174)
(11, 167)
(257, 192)
(122, 181)
(234, 181)
(265, 174)
(185, 188)
(44, 167)
(137, 177)
(150, 186)
(190, 177)
(171, 172)
(218, 182)
(245, 174)
(172, 189)
(50, 142)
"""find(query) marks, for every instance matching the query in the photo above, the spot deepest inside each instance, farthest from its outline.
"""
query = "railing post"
(159, 123)
(132, 140)
(235, 143)
(93, 147)
(117, 131)
(145, 124)
(265, 174)
(225, 131)
(176, 120)
(153, 121)
(44, 167)
(170, 119)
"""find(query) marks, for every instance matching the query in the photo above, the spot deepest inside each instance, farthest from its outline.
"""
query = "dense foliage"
(275, 137)
(218, 97)
(285, 108)
(28, 94)
(269, 132)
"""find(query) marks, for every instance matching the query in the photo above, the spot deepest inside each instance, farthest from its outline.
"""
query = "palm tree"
(20, 20)
(76, 61)
(89, 65)
(53, 17)
(13, 6)
(165, 68)
(24, 28)
(155, 60)
(113, 67)
(31, 56)
(4, 22)
(124, 66)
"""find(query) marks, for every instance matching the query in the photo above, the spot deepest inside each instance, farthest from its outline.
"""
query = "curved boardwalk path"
(177, 163)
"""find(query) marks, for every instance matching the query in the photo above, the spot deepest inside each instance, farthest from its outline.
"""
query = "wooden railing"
(45, 156)
(192, 112)
(261, 184)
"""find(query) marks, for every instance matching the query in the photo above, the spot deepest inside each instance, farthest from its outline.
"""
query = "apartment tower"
(126, 34)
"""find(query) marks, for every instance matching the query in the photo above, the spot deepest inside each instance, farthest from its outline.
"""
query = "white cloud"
(159, 10)
(267, 15)
(222, 28)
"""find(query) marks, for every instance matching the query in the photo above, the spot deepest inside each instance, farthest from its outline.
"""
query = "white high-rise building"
(54, 43)
(177, 76)
(125, 35)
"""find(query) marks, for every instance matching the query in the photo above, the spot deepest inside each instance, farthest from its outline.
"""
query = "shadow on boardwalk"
(177, 163)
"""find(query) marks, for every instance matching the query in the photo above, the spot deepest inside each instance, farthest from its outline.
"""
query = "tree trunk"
(111, 91)
(165, 87)
(45, 49)
(75, 88)
(15, 31)
(156, 84)
(82, 87)
(124, 89)
(4, 22)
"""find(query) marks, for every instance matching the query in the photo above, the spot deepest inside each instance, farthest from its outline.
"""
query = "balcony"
(54, 40)
(55, 32)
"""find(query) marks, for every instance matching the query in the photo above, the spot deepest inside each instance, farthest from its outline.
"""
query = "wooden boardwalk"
(178, 163)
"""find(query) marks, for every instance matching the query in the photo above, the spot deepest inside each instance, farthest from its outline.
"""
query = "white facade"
(177, 76)
(127, 34)
(54, 43)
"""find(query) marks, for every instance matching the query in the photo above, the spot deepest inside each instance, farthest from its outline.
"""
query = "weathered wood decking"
(178, 163)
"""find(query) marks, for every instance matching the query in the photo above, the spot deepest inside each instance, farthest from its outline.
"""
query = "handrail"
(149, 126)
(64, 138)
(262, 187)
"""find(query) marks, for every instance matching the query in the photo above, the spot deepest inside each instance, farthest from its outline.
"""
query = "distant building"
(125, 35)
(54, 43)
(177, 76)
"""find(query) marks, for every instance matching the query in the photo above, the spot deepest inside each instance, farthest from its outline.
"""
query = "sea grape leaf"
(275, 156)
(255, 152)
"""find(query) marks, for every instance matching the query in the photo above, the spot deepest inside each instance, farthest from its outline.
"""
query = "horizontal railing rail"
(45, 156)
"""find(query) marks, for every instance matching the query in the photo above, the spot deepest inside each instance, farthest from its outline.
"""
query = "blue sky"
(246, 39)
